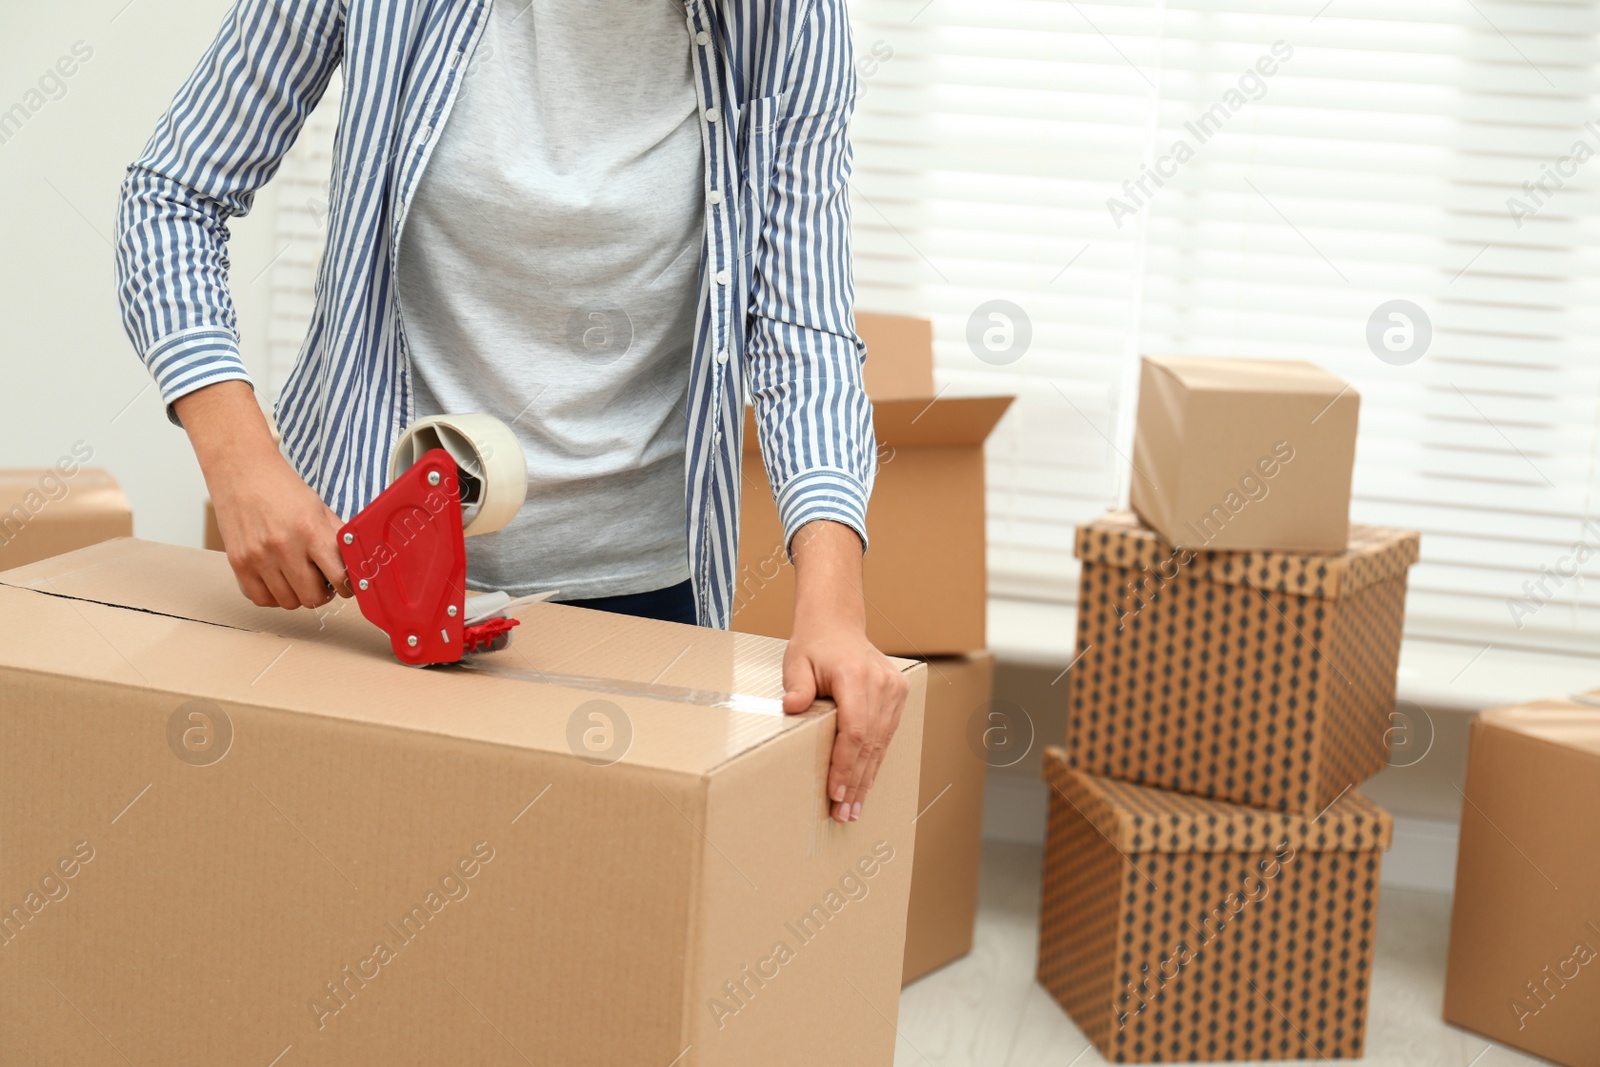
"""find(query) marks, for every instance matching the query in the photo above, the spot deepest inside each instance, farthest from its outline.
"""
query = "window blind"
(1264, 180)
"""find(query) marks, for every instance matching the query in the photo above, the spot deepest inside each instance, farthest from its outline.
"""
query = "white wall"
(67, 371)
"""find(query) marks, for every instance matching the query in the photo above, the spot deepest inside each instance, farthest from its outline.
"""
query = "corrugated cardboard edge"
(1376, 554)
(1138, 818)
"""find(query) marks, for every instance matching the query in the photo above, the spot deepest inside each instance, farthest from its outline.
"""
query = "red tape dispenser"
(451, 477)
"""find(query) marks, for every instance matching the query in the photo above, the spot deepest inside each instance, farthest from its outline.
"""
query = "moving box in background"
(1260, 678)
(1181, 929)
(49, 510)
(1244, 454)
(213, 533)
(944, 879)
(899, 362)
(1525, 931)
(605, 845)
(926, 575)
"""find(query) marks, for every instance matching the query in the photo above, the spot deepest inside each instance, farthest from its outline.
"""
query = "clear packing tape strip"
(704, 698)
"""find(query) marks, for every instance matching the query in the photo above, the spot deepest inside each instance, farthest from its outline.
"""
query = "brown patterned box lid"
(1138, 818)
(1119, 539)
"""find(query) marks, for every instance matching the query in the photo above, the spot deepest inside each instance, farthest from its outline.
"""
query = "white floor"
(987, 1011)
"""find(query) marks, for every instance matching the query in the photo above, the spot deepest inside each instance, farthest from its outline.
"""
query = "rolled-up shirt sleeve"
(803, 355)
(221, 140)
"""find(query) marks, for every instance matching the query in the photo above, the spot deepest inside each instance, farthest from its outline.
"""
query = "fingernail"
(838, 793)
(843, 814)
(855, 811)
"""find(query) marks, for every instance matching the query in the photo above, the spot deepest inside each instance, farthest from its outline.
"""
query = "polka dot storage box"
(1260, 678)
(1176, 929)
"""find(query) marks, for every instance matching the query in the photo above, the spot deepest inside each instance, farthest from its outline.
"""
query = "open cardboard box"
(926, 577)
(231, 834)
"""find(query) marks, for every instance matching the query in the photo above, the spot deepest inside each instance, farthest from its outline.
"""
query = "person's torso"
(350, 392)
(548, 276)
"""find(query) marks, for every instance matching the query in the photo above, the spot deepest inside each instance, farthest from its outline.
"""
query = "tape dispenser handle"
(489, 462)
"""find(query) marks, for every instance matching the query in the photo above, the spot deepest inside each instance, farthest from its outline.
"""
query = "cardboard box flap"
(1571, 722)
(1138, 818)
(1375, 554)
(961, 420)
(1292, 376)
(170, 619)
(921, 423)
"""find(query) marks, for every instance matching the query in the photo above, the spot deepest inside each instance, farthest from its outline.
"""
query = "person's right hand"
(281, 539)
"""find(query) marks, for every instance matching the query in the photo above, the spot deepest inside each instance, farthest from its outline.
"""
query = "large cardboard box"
(231, 834)
(944, 879)
(1260, 678)
(1176, 929)
(1244, 454)
(926, 576)
(49, 510)
(1525, 930)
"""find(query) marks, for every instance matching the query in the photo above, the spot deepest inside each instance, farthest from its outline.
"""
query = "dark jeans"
(672, 604)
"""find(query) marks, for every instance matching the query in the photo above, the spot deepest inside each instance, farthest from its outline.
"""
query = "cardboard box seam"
(125, 607)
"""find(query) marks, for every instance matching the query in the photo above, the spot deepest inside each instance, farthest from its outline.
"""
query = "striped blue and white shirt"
(774, 317)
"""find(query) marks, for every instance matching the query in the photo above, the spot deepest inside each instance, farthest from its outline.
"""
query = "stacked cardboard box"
(927, 597)
(1179, 929)
(1211, 873)
(604, 845)
(1525, 931)
(50, 510)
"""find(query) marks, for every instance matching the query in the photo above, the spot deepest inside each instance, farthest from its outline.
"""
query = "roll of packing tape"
(495, 474)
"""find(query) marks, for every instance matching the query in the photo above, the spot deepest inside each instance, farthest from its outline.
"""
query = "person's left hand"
(829, 655)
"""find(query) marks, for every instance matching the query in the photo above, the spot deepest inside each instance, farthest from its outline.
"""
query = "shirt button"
(715, 196)
(711, 114)
(723, 277)
(455, 59)
(702, 38)
(722, 355)
(424, 134)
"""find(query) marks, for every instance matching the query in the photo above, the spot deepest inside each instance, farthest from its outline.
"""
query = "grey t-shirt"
(548, 275)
